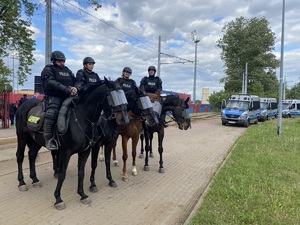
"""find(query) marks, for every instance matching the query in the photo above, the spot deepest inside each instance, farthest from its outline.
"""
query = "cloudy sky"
(126, 33)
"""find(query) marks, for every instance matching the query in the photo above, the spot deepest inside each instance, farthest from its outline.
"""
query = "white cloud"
(125, 33)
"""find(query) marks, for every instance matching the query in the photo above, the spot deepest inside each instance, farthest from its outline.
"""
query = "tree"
(215, 99)
(294, 92)
(16, 37)
(249, 41)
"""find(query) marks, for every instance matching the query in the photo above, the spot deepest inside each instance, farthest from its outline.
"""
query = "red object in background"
(4, 108)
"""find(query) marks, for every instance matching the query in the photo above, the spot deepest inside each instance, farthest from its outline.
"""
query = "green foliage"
(16, 37)
(215, 99)
(249, 41)
(294, 92)
(259, 184)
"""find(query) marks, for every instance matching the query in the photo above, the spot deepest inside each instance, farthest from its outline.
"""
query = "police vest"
(63, 75)
(151, 84)
(126, 84)
(90, 77)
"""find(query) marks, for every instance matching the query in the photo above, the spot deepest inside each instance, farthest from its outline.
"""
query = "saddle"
(36, 116)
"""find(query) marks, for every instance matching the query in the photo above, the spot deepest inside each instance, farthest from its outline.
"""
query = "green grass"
(260, 181)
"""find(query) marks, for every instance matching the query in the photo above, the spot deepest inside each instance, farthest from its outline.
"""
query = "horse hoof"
(101, 159)
(60, 206)
(124, 178)
(141, 156)
(116, 163)
(134, 173)
(94, 189)
(86, 201)
(161, 170)
(151, 155)
(113, 184)
(146, 168)
(37, 184)
(23, 188)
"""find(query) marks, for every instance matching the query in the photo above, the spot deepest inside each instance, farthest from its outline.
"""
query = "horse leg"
(160, 150)
(101, 154)
(95, 151)
(32, 154)
(64, 158)
(20, 158)
(82, 158)
(114, 157)
(55, 161)
(151, 151)
(124, 157)
(147, 149)
(107, 152)
(135, 141)
(142, 145)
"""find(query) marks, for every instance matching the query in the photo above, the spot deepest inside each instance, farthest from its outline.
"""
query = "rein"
(94, 126)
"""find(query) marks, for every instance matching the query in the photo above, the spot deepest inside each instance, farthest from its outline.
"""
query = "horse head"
(106, 98)
(179, 108)
(139, 103)
(117, 103)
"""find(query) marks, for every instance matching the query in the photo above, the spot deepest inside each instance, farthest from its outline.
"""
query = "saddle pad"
(35, 118)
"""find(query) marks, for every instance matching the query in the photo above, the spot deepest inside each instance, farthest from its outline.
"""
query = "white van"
(241, 109)
(293, 110)
(268, 109)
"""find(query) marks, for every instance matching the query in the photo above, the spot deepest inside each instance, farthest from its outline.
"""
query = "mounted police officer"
(125, 81)
(58, 83)
(152, 83)
(86, 75)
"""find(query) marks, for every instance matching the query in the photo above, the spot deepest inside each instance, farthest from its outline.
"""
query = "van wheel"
(247, 123)
(224, 123)
(256, 121)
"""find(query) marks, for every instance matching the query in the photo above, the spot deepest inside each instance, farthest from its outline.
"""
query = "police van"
(268, 109)
(241, 109)
(293, 110)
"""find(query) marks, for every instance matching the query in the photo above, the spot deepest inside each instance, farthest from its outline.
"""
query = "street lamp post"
(194, 37)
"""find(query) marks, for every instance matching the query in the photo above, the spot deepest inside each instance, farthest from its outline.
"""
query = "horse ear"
(187, 100)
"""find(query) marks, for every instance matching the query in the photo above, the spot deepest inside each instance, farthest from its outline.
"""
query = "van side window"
(273, 105)
(256, 105)
(292, 106)
(298, 106)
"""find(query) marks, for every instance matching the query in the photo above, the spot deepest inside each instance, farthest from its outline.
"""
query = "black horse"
(178, 107)
(104, 97)
(139, 110)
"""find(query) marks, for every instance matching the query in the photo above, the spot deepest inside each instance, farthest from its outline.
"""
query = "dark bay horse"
(139, 110)
(179, 108)
(103, 97)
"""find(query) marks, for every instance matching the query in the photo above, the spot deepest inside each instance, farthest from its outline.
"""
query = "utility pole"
(194, 37)
(48, 47)
(159, 50)
(246, 78)
(279, 126)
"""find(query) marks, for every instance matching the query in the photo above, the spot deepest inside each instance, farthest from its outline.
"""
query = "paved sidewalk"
(8, 135)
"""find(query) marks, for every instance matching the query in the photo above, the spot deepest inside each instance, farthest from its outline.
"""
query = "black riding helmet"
(152, 68)
(127, 69)
(57, 55)
(88, 60)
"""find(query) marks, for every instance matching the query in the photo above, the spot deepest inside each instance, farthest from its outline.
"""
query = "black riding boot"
(50, 142)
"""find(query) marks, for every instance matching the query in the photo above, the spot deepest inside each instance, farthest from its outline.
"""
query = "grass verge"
(260, 182)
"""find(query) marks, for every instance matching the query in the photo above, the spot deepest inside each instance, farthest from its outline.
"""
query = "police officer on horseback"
(58, 83)
(152, 83)
(86, 75)
(126, 83)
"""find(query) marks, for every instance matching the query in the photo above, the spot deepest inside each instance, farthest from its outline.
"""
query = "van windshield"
(263, 105)
(285, 105)
(241, 105)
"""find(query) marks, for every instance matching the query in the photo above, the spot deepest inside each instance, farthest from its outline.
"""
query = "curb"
(9, 140)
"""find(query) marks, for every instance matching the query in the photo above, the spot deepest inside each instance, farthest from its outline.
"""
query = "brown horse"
(140, 109)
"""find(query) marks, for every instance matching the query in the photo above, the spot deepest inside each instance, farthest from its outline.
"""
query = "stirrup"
(52, 144)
